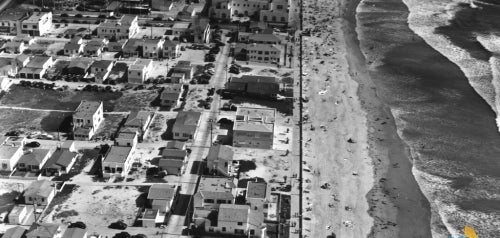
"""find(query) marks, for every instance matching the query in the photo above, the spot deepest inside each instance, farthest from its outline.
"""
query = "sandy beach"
(352, 147)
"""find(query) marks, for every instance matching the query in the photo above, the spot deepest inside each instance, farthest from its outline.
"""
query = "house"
(132, 48)
(151, 48)
(38, 24)
(173, 160)
(220, 160)
(71, 49)
(138, 72)
(15, 232)
(60, 162)
(74, 233)
(115, 46)
(247, 8)
(101, 69)
(127, 137)
(117, 161)
(181, 29)
(264, 38)
(162, 196)
(139, 120)
(254, 128)
(69, 145)
(14, 47)
(25, 38)
(175, 144)
(40, 192)
(185, 125)
(162, 5)
(44, 230)
(123, 28)
(87, 118)
(184, 67)
(95, 47)
(171, 96)
(214, 191)
(36, 67)
(10, 20)
(177, 77)
(10, 153)
(200, 29)
(264, 53)
(263, 86)
(220, 9)
(21, 215)
(79, 66)
(171, 49)
(277, 12)
(33, 159)
(256, 195)
(237, 220)
(150, 217)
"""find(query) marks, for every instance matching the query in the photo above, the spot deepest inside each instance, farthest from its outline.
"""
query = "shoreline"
(395, 185)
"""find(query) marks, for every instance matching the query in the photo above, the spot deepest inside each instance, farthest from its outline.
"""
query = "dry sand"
(354, 146)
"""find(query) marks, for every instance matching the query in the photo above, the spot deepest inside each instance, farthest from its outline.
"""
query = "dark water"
(449, 128)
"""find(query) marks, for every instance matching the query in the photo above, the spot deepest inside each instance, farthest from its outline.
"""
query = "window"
(43, 199)
(240, 223)
(30, 199)
(138, 73)
(5, 166)
(208, 201)
(119, 169)
(34, 27)
(252, 232)
(88, 121)
(223, 229)
(25, 26)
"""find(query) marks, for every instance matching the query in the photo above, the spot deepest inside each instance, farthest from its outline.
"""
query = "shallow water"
(450, 130)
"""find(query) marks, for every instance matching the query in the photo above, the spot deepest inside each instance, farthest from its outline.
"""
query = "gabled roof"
(74, 233)
(15, 232)
(256, 190)
(185, 118)
(60, 158)
(82, 63)
(7, 151)
(43, 230)
(42, 188)
(71, 46)
(254, 79)
(176, 145)
(170, 163)
(170, 95)
(264, 38)
(264, 47)
(162, 191)
(233, 213)
(170, 43)
(132, 44)
(137, 118)
(34, 156)
(223, 152)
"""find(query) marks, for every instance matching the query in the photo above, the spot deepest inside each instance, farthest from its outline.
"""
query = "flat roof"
(86, 108)
(162, 191)
(118, 154)
(233, 213)
(38, 61)
(255, 119)
(150, 214)
(216, 184)
(39, 188)
(256, 189)
(36, 16)
(13, 14)
(184, 25)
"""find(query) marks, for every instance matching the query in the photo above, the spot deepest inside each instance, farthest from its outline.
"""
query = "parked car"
(119, 225)
(33, 144)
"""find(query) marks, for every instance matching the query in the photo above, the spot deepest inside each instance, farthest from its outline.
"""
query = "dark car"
(122, 234)
(78, 224)
(119, 225)
(33, 144)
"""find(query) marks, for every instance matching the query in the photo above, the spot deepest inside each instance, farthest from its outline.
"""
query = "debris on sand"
(322, 92)
(325, 186)
(355, 173)
(347, 208)
(347, 223)
(350, 141)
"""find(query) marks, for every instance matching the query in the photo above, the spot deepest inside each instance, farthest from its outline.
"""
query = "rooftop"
(216, 184)
(101, 64)
(74, 233)
(255, 119)
(43, 230)
(81, 62)
(36, 17)
(256, 190)
(170, 95)
(150, 214)
(13, 14)
(181, 25)
(254, 79)
(137, 118)
(39, 188)
(223, 152)
(262, 47)
(174, 153)
(38, 61)
(15, 232)
(187, 118)
(117, 154)
(86, 109)
(60, 158)
(7, 151)
(233, 213)
(175, 145)
(34, 156)
(162, 191)
(264, 38)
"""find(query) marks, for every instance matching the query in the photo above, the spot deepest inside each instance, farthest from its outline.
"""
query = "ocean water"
(448, 125)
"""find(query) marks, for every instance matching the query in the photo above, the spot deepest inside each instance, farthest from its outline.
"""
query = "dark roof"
(37, 61)
(256, 190)
(185, 118)
(171, 163)
(71, 46)
(82, 63)
(137, 118)
(150, 214)
(101, 64)
(264, 38)
(60, 158)
(170, 43)
(43, 230)
(170, 95)
(34, 156)
(174, 153)
(162, 191)
(254, 79)
(175, 145)
(132, 44)
(118, 154)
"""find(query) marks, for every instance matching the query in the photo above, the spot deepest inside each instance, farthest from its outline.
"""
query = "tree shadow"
(168, 135)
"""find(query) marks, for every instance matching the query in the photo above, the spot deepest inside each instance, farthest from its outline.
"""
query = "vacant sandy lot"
(271, 165)
(98, 207)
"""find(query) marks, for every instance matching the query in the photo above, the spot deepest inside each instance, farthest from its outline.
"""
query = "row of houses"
(44, 230)
(15, 156)
(268, 11)
(16, 21)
